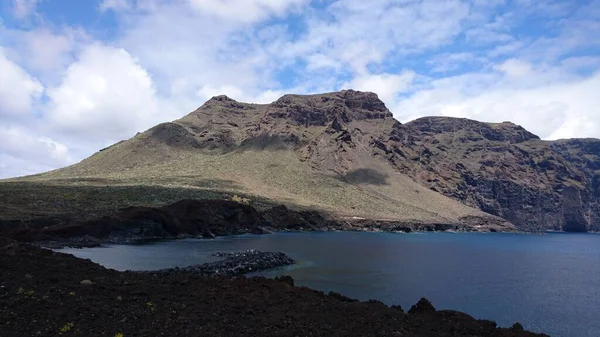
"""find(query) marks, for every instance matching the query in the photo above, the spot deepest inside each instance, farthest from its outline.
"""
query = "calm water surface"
(550, 283)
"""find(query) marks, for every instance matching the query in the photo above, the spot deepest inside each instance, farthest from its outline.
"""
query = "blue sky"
(76, 76)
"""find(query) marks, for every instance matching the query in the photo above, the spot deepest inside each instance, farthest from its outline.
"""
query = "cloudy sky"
(76, 76)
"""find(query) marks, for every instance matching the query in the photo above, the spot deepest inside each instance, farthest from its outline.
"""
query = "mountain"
(503, 169)
(345, 154)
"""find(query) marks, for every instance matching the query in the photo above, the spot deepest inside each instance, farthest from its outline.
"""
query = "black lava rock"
(423, 306)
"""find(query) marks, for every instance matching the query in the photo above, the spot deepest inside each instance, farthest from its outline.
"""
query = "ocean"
(550, 282)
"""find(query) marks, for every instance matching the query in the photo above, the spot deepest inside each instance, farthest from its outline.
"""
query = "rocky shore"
(234, 264)
(45, 293)
(208, 219)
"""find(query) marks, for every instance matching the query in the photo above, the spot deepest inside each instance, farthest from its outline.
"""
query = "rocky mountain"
(502, 169)
(345, 154)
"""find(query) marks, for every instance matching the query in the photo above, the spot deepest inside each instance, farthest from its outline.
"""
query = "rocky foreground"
(44, 293)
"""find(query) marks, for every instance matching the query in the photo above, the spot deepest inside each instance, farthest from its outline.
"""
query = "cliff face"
(503, 170)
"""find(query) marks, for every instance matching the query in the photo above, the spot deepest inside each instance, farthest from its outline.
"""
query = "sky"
(77, 76)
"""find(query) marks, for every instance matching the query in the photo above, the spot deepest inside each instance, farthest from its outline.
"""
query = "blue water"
(550, 283)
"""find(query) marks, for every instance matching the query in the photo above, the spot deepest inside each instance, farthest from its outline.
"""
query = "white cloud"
(17, 167)
(105, 95)
(18, 90)
(450, 61)
(358, 33)
(386, 86)
(232, 11)
(581, 62)
(46, 50)
(21, 144)
(115, 5)
(505, 49)
(246, 11)
(24, 8)
(566, 37)
(199, 50)
(547, 102)
(494, 30)
(515, 68)
(231, 91)
(487, 36)
(320, 61)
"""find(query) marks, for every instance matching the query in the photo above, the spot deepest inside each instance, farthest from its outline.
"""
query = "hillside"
(345, 154)
(304, 151)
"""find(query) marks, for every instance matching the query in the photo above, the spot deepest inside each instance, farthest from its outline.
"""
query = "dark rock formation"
(319, 110)
(470, 130)
(503, 170)
(208, 219)
(198, 218)
(397, 307)
(234, 264)
(422, 307)
(281, 217)
(285, 279)
(517, 327)
(341, 297)
(466, 224)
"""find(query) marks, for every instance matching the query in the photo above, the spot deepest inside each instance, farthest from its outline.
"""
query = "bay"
(548, 282)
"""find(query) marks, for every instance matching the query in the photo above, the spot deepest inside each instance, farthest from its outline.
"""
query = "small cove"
(549, 283)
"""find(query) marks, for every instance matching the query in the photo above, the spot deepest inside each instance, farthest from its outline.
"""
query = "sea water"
(548, 282)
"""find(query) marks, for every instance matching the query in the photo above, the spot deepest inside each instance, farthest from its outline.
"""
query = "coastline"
(92, 242)
(94, 301)
(210, 219)
(78, 236)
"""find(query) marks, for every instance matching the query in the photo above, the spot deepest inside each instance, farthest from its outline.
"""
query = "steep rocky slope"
(502, 169)
(344, 153)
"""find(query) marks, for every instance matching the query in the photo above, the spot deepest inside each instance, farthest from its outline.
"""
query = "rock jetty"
(234, 264)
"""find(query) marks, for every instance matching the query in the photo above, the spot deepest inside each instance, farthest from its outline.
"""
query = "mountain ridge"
(343, 152)
(536, 184)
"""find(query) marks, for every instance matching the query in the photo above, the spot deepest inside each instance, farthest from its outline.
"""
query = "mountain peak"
(321, 109)
(221, 98)
(351, 98)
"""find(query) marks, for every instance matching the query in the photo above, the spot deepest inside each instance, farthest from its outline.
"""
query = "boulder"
(421, 307)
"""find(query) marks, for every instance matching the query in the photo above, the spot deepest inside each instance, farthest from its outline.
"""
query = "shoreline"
(212, 218)
(90, 242)
(94, 300)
